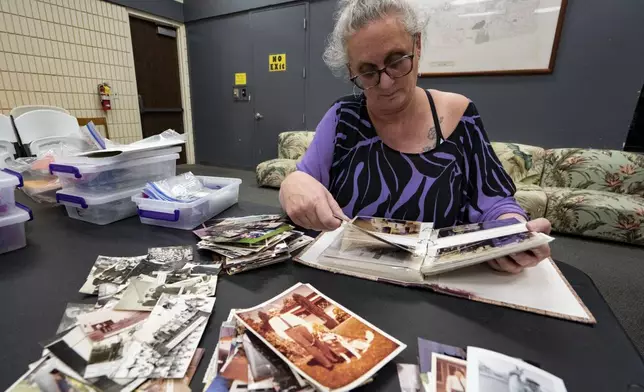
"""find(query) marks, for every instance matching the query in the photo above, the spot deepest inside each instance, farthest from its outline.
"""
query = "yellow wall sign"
(277, 62)
(240, 79)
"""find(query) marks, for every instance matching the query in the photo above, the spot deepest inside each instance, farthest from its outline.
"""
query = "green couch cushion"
(272, 173)
(293, 144)
(597, 214)
(600, 170)
(532, 199)
(523, 163)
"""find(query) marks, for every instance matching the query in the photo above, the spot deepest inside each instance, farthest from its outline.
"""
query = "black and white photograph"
(108, 269)
(109, 294)
(71, 314)
(143, 292)
(104, 323)
(171, 254)
(142, 361)
(106, 356)
(489, 371)
(408, 377)
(173, 319)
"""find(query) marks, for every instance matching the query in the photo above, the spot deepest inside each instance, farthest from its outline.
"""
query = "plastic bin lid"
(10, 179)
(17, 215)
(73, 194)
(79, 169)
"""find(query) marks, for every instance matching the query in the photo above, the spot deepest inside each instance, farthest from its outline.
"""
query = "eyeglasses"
(395, 69)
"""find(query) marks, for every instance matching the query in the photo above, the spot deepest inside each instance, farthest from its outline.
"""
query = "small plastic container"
(12, 228)
(9, 181)
(100, 210)
(187, 216)
(101, 178)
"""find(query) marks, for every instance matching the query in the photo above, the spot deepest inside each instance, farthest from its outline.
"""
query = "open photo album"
(414, 248)
(450, 261)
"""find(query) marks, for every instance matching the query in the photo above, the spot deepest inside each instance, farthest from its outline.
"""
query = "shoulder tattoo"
(431, 137)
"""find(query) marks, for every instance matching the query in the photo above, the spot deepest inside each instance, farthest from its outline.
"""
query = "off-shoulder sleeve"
(489, 189)
(317, 160)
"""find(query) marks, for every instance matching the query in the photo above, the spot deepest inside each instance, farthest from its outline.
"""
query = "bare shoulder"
(451, 107)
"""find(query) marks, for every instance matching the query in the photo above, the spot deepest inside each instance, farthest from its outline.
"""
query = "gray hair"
(353, 15)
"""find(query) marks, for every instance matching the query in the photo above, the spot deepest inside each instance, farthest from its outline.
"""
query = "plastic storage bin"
(9, 181)
(187, 216)
(100, 210)
(113, 176)
(12, 228)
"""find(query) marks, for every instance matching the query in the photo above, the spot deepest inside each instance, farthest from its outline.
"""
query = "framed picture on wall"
(486, 37)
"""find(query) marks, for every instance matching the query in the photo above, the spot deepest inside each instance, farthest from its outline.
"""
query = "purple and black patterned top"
(460, 181)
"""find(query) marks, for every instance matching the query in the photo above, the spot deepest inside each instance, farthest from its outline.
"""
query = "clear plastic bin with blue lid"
(101, 209)
(102, 175)
(172, 204)
(12, 228)
(9, 181)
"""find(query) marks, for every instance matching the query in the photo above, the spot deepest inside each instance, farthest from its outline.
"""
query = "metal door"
(278, 90)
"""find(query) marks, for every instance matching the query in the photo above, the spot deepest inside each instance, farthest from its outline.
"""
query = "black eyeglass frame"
(382, 70)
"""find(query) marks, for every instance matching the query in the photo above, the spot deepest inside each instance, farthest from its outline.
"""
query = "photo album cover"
(449, 261)
(331, 347)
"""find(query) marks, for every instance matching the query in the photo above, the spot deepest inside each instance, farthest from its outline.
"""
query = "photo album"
(449, 261)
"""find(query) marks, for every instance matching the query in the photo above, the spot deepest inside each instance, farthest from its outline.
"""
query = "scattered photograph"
(330, 346)
(110, 270)
(106, 356)
(222, 384)
(267, 369)
(46, 376)
(489, 371)
(448, 374)
(173, 319)
(71, 314)
(109, 294)
(143, 293)
(73, 348)
(174, 385)
(236, 366)
(298, 241)
(473, 227)
(427, 347)
(409, 377)
(103, 323)
(171, 257)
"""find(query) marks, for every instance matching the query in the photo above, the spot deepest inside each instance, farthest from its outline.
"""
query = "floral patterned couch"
(594, 193)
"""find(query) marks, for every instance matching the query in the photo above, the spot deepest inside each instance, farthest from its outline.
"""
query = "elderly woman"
(396, 150)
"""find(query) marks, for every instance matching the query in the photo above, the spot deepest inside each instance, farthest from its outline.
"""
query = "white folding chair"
(43, 127)
(7, 136)
(20, 110)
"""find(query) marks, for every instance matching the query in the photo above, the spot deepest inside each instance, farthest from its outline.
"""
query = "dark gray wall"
(201, 9)
(587, 102)
(170, 9)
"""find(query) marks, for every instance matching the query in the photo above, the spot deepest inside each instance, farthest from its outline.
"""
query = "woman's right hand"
(309, 204)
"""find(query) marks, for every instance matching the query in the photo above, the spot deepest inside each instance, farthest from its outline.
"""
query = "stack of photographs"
(142, 333)
(299, 340)
(445, 368)
(251, 242)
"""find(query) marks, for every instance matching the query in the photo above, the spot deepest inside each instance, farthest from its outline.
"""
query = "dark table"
(37, 282)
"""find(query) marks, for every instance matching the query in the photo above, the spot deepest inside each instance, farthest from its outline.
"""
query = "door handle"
(258, 116)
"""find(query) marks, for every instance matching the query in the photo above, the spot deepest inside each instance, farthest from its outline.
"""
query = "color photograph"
(330, 346)
(449, 374)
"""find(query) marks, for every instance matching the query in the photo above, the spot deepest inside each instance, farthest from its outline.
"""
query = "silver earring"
(355, 95)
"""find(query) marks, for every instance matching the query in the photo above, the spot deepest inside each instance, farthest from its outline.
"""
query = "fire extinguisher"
(104, 91)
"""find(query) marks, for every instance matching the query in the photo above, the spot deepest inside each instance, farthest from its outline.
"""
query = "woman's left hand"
(516, 263)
